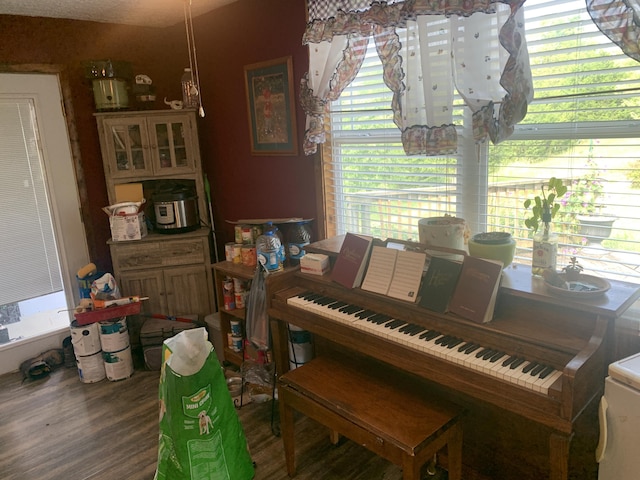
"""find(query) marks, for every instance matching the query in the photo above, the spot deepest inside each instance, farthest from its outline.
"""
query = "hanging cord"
(193, 59)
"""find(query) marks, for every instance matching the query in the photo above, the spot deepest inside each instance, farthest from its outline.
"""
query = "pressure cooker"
(176, 209)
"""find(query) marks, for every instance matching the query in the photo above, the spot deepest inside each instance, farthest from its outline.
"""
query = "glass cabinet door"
(173, 142)
(128, 146)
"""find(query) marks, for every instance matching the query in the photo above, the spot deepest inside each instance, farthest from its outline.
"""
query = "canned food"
(249, 258)
(246, 234)
(228, 251)
(237, 253)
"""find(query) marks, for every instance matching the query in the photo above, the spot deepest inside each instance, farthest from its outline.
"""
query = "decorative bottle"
(190, 95)
(545, 247)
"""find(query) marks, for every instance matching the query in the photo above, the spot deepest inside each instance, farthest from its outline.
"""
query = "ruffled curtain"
(429, 49)
(620, 21)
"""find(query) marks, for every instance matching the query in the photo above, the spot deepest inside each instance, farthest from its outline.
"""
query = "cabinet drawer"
(164, 253)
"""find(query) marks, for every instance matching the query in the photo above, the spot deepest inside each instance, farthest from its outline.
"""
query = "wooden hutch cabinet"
(172, 269)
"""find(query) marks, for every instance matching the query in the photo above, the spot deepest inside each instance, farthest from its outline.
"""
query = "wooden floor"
(60, 428)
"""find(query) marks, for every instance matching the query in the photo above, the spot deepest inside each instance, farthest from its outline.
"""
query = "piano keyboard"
(513, 369)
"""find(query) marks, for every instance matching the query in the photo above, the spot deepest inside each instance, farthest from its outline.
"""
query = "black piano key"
(454, 342)
(464, 346)
(430, 335)
(497, 356)
(395, 323)
(482, 352)
(529, 367)
(472, 348)
(509, 361)
(442, 339)
(545, 373)
(365, 314)
(417, 331)
(336, 305)
(516, 363)
(536, 371)
(489, 354)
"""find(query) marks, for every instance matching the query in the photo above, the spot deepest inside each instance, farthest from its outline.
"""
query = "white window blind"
(583, 126)
(29, 264)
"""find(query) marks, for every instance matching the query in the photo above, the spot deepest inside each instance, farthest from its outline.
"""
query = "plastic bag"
(201, 437)
(257, 320)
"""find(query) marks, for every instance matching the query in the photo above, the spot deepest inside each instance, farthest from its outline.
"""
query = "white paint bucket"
(91, 368)
(114, 335)
(118, 365)
(300, 346)
(85, 339)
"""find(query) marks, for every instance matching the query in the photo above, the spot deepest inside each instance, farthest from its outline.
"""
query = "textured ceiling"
(150, 13)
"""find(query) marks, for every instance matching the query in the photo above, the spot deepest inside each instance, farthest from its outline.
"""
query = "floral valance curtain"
(620, 21)
(429, 50)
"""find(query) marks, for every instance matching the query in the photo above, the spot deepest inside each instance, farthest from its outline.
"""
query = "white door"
(41, 95)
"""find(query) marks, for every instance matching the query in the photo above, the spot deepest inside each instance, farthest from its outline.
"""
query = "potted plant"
(543, 208)
(573, 270)
(585, 204)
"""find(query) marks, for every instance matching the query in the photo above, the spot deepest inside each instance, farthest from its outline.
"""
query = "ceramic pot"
(494, 246)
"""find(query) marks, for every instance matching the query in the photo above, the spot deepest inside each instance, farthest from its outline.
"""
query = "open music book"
(395, 273)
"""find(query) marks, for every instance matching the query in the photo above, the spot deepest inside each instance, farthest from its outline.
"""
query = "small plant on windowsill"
(543, 208)
(573, 270)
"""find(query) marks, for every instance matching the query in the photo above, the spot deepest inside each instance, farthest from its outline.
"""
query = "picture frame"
(270, 107)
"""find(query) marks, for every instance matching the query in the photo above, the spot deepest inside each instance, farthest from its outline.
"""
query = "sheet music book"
(395, 273)
(352, 260)
(439, 283)
(475, 295)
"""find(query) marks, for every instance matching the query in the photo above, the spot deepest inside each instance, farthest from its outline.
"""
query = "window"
(583, 127)
(43, 242)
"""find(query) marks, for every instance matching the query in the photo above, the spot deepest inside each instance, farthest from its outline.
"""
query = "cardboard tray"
(108, 313)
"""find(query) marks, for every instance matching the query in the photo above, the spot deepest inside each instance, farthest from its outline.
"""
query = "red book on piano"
(474, 297)
(352, 260)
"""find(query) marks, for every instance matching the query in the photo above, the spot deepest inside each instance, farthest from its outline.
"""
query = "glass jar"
(545, 250)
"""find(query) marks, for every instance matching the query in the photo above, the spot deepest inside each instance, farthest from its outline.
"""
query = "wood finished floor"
(59, 428)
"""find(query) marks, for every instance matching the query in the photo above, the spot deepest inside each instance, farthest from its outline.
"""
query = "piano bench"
(385, 414)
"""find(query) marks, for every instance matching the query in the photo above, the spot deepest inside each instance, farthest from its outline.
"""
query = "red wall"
(241, 33)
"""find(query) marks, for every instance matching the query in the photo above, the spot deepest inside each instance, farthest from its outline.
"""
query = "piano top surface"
(518, 281)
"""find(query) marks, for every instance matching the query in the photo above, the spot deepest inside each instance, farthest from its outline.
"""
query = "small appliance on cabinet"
(620, 422)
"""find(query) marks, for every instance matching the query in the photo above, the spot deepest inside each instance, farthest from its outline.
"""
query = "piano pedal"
(432, 469)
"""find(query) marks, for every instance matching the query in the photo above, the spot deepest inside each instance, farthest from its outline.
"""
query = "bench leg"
(410, 468)
(334, 437)
(454, 452)
(287, 433)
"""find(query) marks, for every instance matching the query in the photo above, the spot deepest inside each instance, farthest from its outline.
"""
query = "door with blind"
(43, 242)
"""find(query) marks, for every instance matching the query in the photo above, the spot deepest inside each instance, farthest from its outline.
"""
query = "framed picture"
(272, 121)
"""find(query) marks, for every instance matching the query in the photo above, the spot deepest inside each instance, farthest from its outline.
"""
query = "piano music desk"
(380, 412)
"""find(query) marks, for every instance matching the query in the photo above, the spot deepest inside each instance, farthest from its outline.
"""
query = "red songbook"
(474, 297)
(352, 260)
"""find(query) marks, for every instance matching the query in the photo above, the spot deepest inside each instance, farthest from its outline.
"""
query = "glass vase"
(545, 250)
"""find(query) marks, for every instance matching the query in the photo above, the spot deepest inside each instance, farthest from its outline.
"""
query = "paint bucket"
(118, 365)
(85, 338)
(91, 368)
(114, 335)
(300, 346)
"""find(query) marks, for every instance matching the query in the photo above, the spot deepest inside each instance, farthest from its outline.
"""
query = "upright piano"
(527, 377)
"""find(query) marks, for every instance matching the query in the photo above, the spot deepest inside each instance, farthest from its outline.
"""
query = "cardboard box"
(129, 192)
(314, 263)
(127, 227)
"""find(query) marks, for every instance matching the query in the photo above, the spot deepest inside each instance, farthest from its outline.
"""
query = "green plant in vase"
(543, 208)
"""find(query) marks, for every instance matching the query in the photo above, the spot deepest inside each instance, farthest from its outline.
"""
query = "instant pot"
(176, 209)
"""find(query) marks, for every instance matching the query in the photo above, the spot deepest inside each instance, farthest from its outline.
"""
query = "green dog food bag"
(201, 437)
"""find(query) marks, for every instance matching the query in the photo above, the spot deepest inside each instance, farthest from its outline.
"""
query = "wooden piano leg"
(559, 456)
(454, 453)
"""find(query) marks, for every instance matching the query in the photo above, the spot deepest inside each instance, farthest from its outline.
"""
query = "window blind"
(582, 127)
(28, 255)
